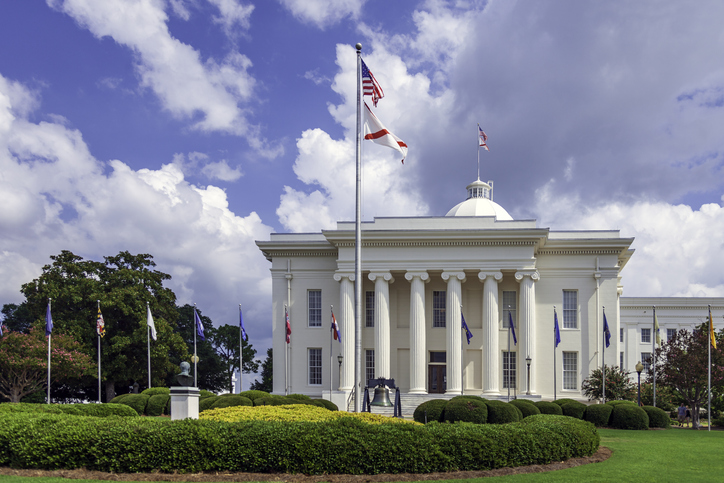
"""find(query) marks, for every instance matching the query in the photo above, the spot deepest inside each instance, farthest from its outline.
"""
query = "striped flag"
(100, 324)
(482, 138)
(335, 328)
(512, 328)
(377, 133)
(289, 327)
(370, 86)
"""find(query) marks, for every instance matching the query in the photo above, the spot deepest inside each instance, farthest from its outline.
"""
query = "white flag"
(377, 133)
(150, 322)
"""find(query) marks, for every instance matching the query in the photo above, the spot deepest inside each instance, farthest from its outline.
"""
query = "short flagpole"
(555, 372)
(603, 360)
(653, 341)
(708, 409)
(508, 372)
(462, 358)
(49, 337)
(286, 352)
(99, 355)
(241, 354)
(331, 338)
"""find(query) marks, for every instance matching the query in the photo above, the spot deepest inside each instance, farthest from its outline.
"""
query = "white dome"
(479, 203)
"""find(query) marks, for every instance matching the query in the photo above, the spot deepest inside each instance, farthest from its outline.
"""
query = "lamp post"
(339, 359)
(528, 361)
(639, 368)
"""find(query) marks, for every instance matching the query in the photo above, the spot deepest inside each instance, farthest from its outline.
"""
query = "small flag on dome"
(483, 138)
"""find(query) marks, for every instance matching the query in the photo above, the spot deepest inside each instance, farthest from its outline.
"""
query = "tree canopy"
(618, 385)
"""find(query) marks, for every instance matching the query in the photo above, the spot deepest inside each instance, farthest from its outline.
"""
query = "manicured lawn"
(675, 455)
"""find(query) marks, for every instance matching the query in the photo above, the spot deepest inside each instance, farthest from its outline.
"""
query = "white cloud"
(180, 9)
(222, 171)
(232, 13)
(324, 13)
(186, 85)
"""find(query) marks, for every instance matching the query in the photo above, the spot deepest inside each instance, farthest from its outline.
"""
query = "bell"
(382, 397)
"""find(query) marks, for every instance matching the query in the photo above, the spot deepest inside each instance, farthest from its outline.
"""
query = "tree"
(24, 362)
(681, 364)
(267, 373)
(226, 342)
(618, 385)
(123, 284)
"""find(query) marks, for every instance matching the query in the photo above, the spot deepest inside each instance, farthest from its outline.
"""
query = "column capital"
(497, 276)
(340, 275)
(422, 275)
(386, 276)
(533, 274)
(448, 275)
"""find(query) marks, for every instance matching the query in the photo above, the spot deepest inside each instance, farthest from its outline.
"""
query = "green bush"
(281, 401)
(141, 445)
(96, 410)
(500, 412)
(563, 401)
(152, 391)
(118, 399)
(574, 409)
(205, 393)
(616, 403)
(228, 400)
(527, 408)
(206, 402)
(300, 397)
(547, 407)
(325, 404)
(156, 405)
(435, 409)
(466, 396)
(658, 418)
(254, 394)
(629, 416)
(598, 414)
(137, 402)
(468, 410)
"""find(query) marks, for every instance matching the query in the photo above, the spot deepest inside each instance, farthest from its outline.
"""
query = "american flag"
(370, 86)
(289, 327)
(483, 138)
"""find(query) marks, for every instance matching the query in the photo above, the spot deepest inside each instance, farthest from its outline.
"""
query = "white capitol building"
(419, 274)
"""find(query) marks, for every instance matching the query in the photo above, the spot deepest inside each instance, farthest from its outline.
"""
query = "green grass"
(674, 455)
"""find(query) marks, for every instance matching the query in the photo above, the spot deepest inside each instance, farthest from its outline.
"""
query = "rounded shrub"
(156, 405)
(254, 394)
(547, 407)
(617, 402)
(468, 410)
(574, 409)
(527, 408)
(281, 401)
(230, 400)
(300, 397)
(152, 391)
(658, 418)
(206, 402)
(629, 416)
(325, 404)
(205, 393)
(435, 409)
(118, 399)
(563, 401)
(500, 412)
(137, 402)
(466, 396)
(598, 414)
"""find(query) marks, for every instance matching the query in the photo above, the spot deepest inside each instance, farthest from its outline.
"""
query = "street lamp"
(639, 368)
(528, 361)
(339, 359)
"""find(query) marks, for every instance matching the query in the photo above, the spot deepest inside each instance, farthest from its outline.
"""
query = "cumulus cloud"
(324, 13)
(231, 14)
(56, 195)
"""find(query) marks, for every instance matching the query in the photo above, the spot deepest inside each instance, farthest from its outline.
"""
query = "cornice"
(438, 243)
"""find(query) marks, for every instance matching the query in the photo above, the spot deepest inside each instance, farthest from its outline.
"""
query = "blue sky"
(190, 128)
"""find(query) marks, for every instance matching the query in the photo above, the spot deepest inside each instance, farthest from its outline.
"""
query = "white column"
(346, 322)
(382, 323)
(526, 318)
(454, 325)
(491, 329)
(417, 332)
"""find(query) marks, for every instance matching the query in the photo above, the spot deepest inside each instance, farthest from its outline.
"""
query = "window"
(315, 308)
(369, 309)
(509, 369)
(315, 367)
(438, 308)
(369, 365)
(645, 336)
(438, 357)
(570, 309)
(570, 370)
(620, 360)
(509, 307)
(670, 334)
(646, 361)
(620, 334)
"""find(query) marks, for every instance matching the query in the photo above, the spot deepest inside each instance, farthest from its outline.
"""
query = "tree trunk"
(110, 390)
(695, 417)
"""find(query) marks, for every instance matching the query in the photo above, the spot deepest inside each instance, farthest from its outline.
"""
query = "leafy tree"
(123, 284)
(618, 385)
(17, 318)
(226, 342)
(267, 372)
(24, 362)
(681, 364)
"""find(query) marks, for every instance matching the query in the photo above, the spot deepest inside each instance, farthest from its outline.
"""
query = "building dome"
(480, 203)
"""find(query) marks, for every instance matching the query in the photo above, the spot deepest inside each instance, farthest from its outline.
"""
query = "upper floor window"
(620, 334)
(570, 309)
(369, 309)
(314, 304)
(509, 308)
(670, 334)
(439, 299)
(645, 336)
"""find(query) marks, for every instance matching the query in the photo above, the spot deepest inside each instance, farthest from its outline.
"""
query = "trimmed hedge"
(435, 411)
(323, 403)
(629, 416)
(254, 394)
(598, 414)
(229, 400)
(156, 405)
(658, 418)
(500, 412)
(300, 397)
(465, 396)
(118, 399)
(206, 402)
(137, 402)
(547, 407)
(152, 391)
(563, 401)
(526, 407)
(204, 393)
(574, 409)
(468, 410)
(96, 410)
(129, 445)
(620, 401)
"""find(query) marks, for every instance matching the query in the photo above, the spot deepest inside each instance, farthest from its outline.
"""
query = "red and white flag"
(335, 328)
(483, 138)
(289, 327)
(377, 133)
(370, 86)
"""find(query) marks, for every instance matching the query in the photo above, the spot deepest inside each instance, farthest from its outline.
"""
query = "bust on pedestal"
(185, 397)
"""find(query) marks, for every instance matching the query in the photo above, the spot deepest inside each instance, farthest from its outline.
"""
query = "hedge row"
(344, 446)
(97, 410)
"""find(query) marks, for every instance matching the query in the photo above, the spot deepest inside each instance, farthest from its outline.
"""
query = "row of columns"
(453, 322)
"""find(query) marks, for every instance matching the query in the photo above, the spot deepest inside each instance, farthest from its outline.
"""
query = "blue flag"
(1, 329)
(241, 324)
(48, 321)
(606, 332)
(512, 328)
(468, 334)
(199, 325)
(557, 328)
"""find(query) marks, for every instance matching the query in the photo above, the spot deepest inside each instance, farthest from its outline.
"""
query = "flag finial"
(358, 47)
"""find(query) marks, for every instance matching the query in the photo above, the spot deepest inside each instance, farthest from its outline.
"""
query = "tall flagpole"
(99, 355)
(603, 359)
(286, 351)
(508, 355)
(555, 372)
(196, 357)
(331, 338)
(711, 333)
(148, 342)
(462, 357)
(655, 337)
(49, 314)
(357, 245)
(241, 353)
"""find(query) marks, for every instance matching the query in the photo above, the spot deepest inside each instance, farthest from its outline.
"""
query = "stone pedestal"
(184, 402)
